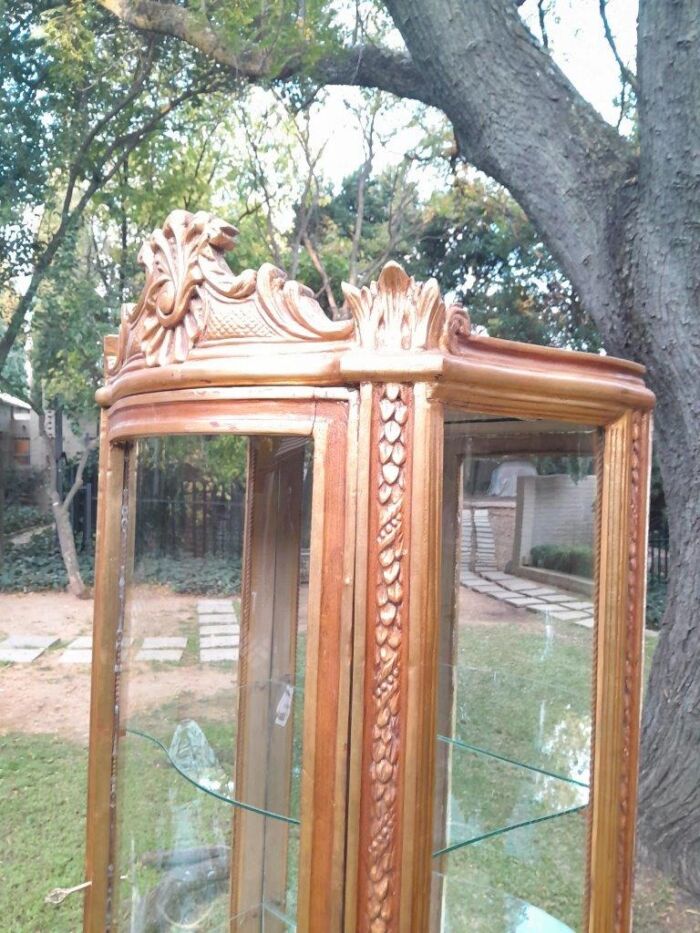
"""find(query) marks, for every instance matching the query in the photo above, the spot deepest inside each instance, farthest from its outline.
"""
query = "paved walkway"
(218, 639)
(526, 594)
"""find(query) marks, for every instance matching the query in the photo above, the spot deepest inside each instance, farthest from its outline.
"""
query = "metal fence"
(658, 555)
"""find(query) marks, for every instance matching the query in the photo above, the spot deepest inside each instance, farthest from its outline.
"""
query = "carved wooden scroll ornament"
(191, 298)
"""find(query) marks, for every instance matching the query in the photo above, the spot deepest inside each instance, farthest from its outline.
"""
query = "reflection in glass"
(211, 685)
(515, 675)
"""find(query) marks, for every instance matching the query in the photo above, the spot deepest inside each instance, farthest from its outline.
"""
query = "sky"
(578, 46)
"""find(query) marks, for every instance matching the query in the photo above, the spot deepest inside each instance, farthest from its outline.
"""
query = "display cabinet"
(413, 703)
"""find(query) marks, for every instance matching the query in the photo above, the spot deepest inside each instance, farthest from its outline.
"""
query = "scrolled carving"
(386, 670)
(191, 296)
(398, 313)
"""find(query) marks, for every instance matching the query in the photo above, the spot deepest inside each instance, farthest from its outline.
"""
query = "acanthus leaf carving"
(398, 313)
(191, 296)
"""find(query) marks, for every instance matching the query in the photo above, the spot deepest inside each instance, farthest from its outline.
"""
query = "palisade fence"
(658, 555)
(202, 518)
(176, 516)
(191, 516)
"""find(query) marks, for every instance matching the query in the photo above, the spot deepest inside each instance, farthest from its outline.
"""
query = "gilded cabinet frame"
(206, 351)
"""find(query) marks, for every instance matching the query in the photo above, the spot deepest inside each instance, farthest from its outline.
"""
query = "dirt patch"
(48, 696)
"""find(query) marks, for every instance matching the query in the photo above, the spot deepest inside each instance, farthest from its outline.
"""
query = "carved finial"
(398, 313)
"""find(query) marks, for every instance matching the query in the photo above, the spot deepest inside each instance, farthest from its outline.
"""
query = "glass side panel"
(515, 675)
(211, 688)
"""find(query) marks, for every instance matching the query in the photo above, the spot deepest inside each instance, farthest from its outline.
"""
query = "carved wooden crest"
(398, 313)
(192, 298)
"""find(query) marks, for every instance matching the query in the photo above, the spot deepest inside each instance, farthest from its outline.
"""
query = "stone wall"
(554, 510)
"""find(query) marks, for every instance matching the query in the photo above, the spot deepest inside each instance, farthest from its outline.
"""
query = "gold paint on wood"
(191, 297)
(398, 313)
(382, 855)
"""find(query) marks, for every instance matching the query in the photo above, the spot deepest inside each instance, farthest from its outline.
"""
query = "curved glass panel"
(211, 692)
(515, 675)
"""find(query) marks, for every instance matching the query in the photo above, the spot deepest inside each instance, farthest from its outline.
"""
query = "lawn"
(518, 753)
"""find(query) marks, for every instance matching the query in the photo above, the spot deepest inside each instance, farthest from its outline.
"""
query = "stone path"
(22, 649)
(527, 594)
(219, 630)
(218, 636)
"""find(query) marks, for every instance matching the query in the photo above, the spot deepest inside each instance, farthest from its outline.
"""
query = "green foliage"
(17, 517)
(657, 593)
(482, 248)
(37, 565)
(576, 560)
(216, 576)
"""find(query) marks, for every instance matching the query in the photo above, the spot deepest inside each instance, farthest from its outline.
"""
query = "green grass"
(521, 694)
(42, 814)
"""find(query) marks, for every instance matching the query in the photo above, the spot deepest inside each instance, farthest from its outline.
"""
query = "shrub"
(574, 560)
(656, 603)
(18, 517)
(37, 565)
(216, 576)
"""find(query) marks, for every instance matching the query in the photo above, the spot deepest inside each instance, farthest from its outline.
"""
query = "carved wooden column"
(400, 639)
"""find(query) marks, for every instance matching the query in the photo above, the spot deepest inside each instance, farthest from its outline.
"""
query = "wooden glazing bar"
(447, 659)
(267, 669)
(619, 634)
(109, 612)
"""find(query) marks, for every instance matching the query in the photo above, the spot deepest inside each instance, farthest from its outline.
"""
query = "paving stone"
(497, 575)
(554, 598)
(20, 655)
(539, 607)
(218, 654)
(567, 615)
(504, 595)
(524, 585)
(82, 641)
(542, 591)
(586, 621)
(29, 641)
(76, 656)
(165, 642)
(216, 605)
(582, 605)
(224, 618)
(485, 587)
(521, 601)
(159, 654)
(220, 641)
(219, 630)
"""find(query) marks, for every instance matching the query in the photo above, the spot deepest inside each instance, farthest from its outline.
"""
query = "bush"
(38, 565)
(574, 560)
(656, 603)
(18, 517)
(215, 576)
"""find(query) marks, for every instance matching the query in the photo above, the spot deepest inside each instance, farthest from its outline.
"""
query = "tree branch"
(363, 66)
(628, 77)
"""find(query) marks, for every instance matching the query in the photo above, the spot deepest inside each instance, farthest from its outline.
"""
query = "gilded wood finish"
(619, 634)
(207, 351)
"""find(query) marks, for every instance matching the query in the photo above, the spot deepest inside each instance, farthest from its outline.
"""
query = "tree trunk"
(622, 219)
(669, 825)
(60, 509)
(66, 542)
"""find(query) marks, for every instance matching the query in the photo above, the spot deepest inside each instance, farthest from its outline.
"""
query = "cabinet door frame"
(329, 418)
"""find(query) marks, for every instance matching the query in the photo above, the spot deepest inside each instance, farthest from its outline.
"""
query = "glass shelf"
(490, 795)
(211, 786)
(199, 742)
(529, 718)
